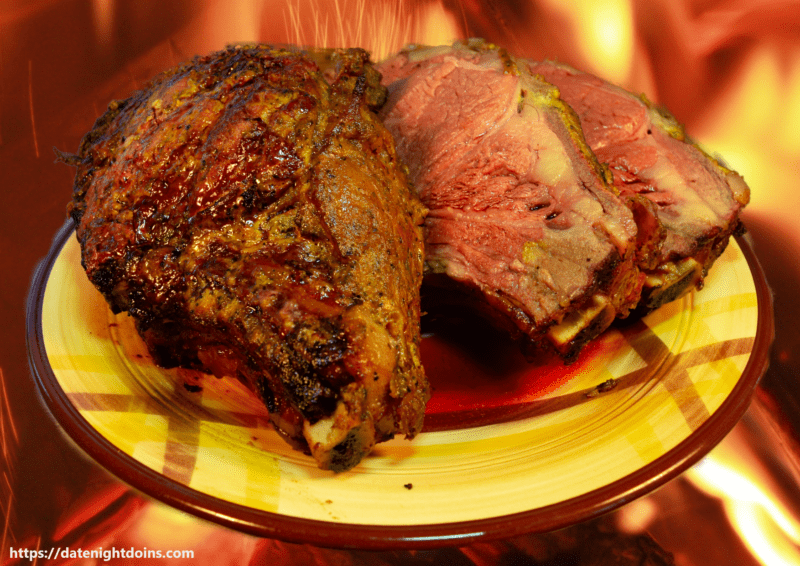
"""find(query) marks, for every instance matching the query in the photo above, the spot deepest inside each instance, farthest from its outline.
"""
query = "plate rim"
(383, 537)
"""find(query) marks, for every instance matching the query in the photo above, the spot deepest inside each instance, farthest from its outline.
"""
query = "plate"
(508, 447)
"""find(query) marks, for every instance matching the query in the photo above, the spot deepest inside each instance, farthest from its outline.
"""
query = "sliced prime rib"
(693, 199)
(254, 219)
(522, 223)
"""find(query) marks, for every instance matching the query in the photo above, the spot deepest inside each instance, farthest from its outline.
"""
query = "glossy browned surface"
(256, 223)
(60, 66)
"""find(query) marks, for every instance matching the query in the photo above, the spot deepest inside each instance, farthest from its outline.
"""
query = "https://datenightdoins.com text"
(99, 553)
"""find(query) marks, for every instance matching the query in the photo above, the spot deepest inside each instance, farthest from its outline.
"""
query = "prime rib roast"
(249, 211)
(267, 214)
(522, 224)
(691, 199)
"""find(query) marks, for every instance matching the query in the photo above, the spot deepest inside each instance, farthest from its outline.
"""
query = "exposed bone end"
(670, 282)
(581, 326)
(340, 442)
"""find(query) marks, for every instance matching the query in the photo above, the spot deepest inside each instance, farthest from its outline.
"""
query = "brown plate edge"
(378, 537)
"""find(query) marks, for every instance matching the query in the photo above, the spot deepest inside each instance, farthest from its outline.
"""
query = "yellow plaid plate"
(658, 395)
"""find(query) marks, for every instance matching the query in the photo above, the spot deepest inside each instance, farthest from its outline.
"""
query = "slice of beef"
(254, 219)
(693, 199)
(521, 222)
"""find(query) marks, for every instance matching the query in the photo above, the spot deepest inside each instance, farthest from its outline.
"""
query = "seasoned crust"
(252, 216)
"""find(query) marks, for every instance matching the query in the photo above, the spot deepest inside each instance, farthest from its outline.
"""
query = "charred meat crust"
(248, 209)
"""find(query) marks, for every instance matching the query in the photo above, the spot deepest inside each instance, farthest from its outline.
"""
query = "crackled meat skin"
(694, 201)
(521, 220)
(253, 217)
